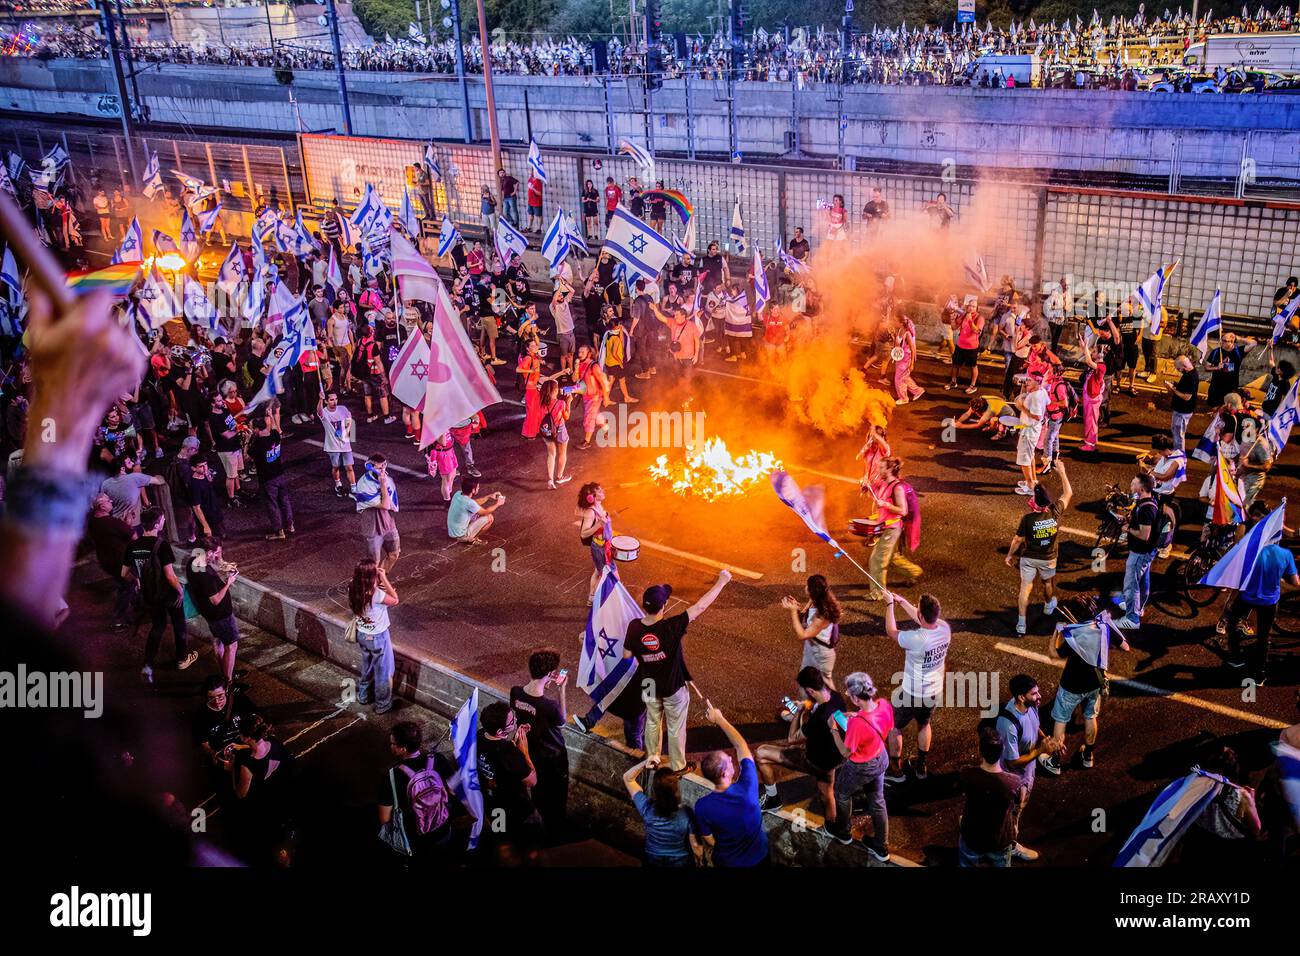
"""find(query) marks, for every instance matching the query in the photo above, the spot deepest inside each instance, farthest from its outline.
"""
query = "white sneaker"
(1019, 852)
(1050, 607)
(1024, 489)
(146, 674)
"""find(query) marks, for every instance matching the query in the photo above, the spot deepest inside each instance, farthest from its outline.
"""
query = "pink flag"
(410, 371)
(456, 385)
(415, 277)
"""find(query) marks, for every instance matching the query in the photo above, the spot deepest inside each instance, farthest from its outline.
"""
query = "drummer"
(594, 531)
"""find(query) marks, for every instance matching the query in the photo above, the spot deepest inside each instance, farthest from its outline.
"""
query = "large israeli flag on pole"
(535, 160)
(738, 244)
(1151, 296)
(788, 490)
(367, 211)
(1280, 425)
(448, 236)
(602, 641)
(1179, 806)
(635, 244)
(761, 291)
(576, 238)
(509, 241)
(132, 247)
(1211, 324)
(1090, 639)
(1283, 318)
(1235, 568)
(555, 244)
(464, 782)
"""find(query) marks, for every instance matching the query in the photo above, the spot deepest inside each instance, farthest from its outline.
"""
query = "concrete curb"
(596, 765)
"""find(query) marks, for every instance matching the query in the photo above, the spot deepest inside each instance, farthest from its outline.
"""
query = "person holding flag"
(1224, 366)
(1086, 649)
(1145, 526)
(1256, 567)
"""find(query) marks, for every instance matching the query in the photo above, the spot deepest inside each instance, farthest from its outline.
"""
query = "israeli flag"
(448, 237)
(640, 154)
(363, 217)
(367, 489)
(686, 244)
(57, 158)
(254, 308)
(333, 277)
(132, 247)
(792, 496)
(761, 291)
(153, 181)
(198, 308)
(189, 182)
(1090, 639)
(791, 263)
(284, 236)
(283, 357)
(258, 250)
(1211, 322)
(1150, 295)
(634, 243)
(1284, 419)
(303, 243)
(977, 272)
(163, 243)
(509, 241)
(555, 245)
(576, 238)
(158, 300)
(738, 245)
(416, 34)
(1283, 318)
(379, 226)
(349, 235)
(535, 160)
(232, 271)
(1235, 568)
(431, 162)
(189, 238)
(607, 622)
(9, 277)
(407, 216)
(464, 782)
(208, 219)
(1179, 806)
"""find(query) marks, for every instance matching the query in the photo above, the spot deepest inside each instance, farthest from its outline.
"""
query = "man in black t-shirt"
(1081, 685)
(1036, 544)
(987, 832)
(226, 442)
(877, 210)
(656, 643)
(405, 743)
(799, 247)
(149, 561)
(1182, 400)
(265, 452)
(1144, 529)
(545, 719)
(215, 726)
(210, 592)
(506, 774)
(1224, 364)
(812, 745)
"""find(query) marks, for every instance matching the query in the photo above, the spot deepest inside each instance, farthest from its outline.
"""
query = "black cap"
(1042, 498)
(656, 597)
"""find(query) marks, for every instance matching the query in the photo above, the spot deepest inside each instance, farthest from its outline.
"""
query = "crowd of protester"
(1071, 53)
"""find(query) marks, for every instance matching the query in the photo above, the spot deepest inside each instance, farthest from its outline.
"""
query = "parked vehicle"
(1256, 51)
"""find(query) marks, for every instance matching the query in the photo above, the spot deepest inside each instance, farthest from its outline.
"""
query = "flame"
(171, 262)
(711, 473)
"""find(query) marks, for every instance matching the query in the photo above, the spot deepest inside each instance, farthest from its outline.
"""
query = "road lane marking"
(1151, 690)
(391, 466)
(312, 726)
(350, 723)
(701, 559)
(1178, 553)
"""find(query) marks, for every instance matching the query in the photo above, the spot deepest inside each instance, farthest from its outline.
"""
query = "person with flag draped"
(1086, 649)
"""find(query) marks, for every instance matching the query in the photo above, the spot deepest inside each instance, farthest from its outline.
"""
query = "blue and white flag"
(299, 336)
(132, 247)
(1288, 766)
(555, 244)
(163, 243)
(333, 277)
(254, 306)
(283, 235)
(509, 241)
(189, 182)
(199, 308)
(448, 237)
(363, 217)
(535, 160)
(1284, 317)
(367, 489)
(303, 243)
(208, 218)
(576, 239)
(266, 220)
(602, 641)
(287, 311)
(788, 490)
(9, 277)
(639, 154)
(1235, 568)
(1090, 639)
(762, 293)
(258, 250)
(377, 234)
(1284, 419)
(686, 244)
(416, 34)
(977, 273)
(232, 271)
(406, 216)
(153, 181)
(1150, 295)
(631, 241)
(464, 782)
(189, 238)
(798, 267)
(158, 300)
(1178, 807)
(738, 246)
(349, 235)
(372, 262)
(431, 163)
(1211, 323)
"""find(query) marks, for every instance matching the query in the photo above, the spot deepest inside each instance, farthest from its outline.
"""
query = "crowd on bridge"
(1071, 53)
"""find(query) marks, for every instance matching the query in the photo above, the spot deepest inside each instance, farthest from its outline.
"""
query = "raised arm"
(714, 716)
(711, 595)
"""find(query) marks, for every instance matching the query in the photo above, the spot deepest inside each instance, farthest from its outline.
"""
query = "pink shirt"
(864, 739)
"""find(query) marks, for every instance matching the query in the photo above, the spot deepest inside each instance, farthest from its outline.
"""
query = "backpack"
(427, 795)
(833, 641)
(153, 581)
(912, 523)
(1071, 401)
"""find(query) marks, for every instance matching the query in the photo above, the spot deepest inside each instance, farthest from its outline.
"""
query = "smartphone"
(564, 672)
(842, 719)
(790, 705)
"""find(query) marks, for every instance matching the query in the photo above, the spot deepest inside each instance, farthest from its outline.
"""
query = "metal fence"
(1034, 233)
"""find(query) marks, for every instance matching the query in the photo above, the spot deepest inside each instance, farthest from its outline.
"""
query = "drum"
(897, 353)
(869, 528)
(626, 547)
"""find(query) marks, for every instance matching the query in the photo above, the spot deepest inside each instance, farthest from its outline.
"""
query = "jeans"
(1137, 583)
(1015, 365)
(672, 711)
(126, 599)
(1178, 429)
(1052, 440)
(159, 615)
(852, 777)
(886, 553)
(512, 210)
(376, 670)
(997, 858)
(279, 509)
(1055, 329)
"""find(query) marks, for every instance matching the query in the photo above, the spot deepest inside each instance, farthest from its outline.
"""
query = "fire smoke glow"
(711, 473)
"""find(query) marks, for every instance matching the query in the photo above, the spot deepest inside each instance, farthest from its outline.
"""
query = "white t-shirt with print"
(923, 666)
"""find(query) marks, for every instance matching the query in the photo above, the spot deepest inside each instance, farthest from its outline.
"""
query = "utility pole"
(110, 34)
(460, 65)
(737, 15)
(487, 86)
(137, 103)
(333, 14)
(270, 33)
(654, 67)
(846, 43)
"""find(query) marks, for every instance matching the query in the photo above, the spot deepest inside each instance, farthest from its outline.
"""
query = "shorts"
(1044, 568)
(225, 631)
(794, 756)
(375, 386)
(908, 708)
(568, 343)
(615, 373)
(379, 544)
(339, 458)
(965, 358)
(489, 324)
(535, 211)
(1066, 702)
(232, 462)
(143, 416)
(1131, 352)
(1025, 448)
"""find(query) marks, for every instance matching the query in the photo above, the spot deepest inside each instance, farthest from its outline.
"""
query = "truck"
(1027, 68)
(1276, 52)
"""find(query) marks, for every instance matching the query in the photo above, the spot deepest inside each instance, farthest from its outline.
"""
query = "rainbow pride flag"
(675, 199)
(1228, 507)
(117, 279)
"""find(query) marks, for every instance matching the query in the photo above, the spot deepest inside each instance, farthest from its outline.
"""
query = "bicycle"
(1112, 525)
(1203, 557)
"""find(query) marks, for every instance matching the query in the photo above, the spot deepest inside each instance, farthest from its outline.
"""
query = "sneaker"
(338, 491)
(1048, 468)
(158, 452)
(878, 853)
(1019, 852)
(896, 776)
(770, 802)
(275, 536)
(146, 674)
(474, 472)
(577, 722)
(563, 479)
(733, 358)
(1021, 628)
(1127, 623)
(971, 390)
(1221, 626)
(949, 386)
(1163, 553)
(1024, 489)
(900, 401)
(642, 375)
(919, 769)
(584, 446)
(1118, 601)
(1050, 607)
(498, 361)
(1049, 763)
(1151, 377)
(1246, 630)
(917, 396)
(842, 836)
(1236, 663)
(389, 419)
(1087, 759)
(371, 419)
(190, 658)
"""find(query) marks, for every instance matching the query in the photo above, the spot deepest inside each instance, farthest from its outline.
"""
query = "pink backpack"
(428, 796)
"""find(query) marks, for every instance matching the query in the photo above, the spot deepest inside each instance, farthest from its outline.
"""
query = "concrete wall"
(1136, 133)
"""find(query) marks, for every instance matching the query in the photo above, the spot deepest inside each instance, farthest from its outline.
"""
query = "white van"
(1027, 69)
(1278, 52)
